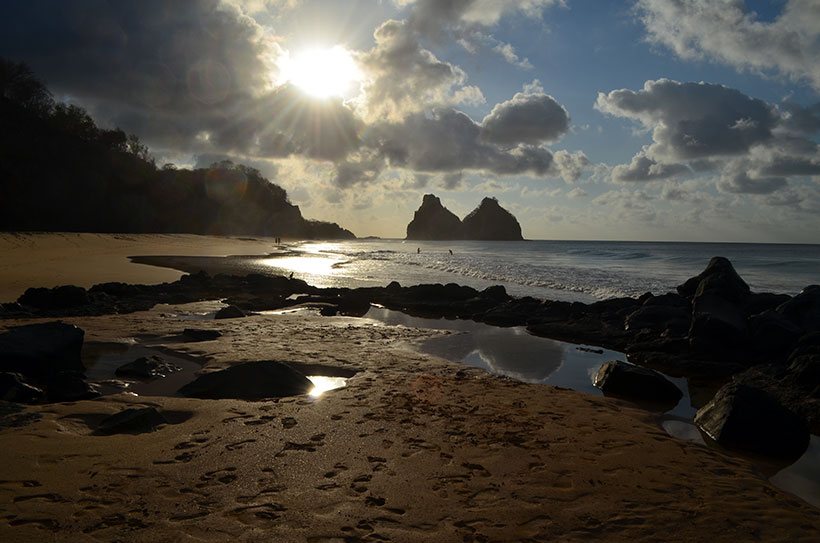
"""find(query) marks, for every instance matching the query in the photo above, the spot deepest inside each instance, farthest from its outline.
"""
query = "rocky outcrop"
(748, 419)
(249, 381)
(636, 383)
(147, 367)
(434, 221)
(136, 420)
(37, 350)
(490, 221)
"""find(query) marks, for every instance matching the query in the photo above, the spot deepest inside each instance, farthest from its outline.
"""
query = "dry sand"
(413, 449)
(50, 260)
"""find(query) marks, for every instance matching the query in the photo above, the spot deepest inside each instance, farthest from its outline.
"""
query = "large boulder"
(635, 383)
(135, 420)
(748, 419)
(773, 335)
(719, 279)
(36, 350)
(490, 221)
(69, 386)
(147, 367)
(718, 324)
(804, 309)
(13, 388)
(63, 297)
(249, 381)
(201, 334)
(434, 221)
(229, 312)
(658, 318)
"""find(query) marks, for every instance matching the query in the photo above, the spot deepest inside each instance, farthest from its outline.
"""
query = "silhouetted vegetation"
(60, 172)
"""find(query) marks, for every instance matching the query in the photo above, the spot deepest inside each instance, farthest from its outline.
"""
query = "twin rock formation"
(489, 221)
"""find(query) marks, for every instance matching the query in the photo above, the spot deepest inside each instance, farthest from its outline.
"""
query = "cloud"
(643, 168)
(703, 127)
(693, 120)
(508, 52)
(525, 118)
(403, 77)
(577, 192)
(431, 16)
(741, 183)
(729, 33)
(570, 165)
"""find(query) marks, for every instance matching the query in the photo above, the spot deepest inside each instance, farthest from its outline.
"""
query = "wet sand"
(54, 259)
(413, 449)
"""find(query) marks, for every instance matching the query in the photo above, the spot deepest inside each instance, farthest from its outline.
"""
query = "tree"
(20, 86)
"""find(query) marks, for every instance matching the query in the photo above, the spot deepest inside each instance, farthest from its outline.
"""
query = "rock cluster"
(489, 221)
(714, 329)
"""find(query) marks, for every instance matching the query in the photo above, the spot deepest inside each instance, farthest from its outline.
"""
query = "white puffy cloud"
(528, 117)
(430, 16)
(402, 77)
(704, 127)
(729, 32)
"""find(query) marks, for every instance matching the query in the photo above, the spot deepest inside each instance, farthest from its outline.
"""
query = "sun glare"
(321, 73)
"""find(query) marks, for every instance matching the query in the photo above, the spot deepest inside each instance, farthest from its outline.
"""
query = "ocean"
(559, 270)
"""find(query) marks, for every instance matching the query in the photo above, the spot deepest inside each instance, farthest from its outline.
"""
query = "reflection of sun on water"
(303, 264)
(321, 73)
(322, 384)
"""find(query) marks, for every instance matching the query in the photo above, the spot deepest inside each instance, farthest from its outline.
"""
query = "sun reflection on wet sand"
(322, 384)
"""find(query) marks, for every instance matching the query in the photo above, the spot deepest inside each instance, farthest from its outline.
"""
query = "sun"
(321, 73)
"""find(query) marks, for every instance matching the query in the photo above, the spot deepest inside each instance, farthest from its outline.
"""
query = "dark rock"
(329, 311)
(434, 221)
(636, 383)
(658, 318)
(394, 285)
(758, 302)
(745, 418)
(717, 324)
(13, 388)
(69, 386)
(667, 300)
(36, 350)
(719, 279)
(804, 309)
(54, 298)
(772, 334)
(201, 334)
(249, 381)
(490, 221)
(131, 421)
(229, 312)
(495, 292)
(147, 368)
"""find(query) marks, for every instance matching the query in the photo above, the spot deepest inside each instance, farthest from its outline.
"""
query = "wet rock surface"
(249, 381)
(147, 367)
(748, 419)
(635, 383)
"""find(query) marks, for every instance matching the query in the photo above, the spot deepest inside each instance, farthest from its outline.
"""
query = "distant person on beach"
(418, 251)
(451, 251)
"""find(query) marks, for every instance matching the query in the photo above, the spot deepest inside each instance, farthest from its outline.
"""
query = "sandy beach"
(69, 258)
(413, 449)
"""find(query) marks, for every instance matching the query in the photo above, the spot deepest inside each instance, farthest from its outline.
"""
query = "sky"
(680, 120)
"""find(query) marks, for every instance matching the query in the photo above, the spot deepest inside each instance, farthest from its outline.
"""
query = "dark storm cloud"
(526, 118)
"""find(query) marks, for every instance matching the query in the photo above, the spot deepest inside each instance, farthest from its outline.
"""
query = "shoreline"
(413, 448)
(427, 423)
